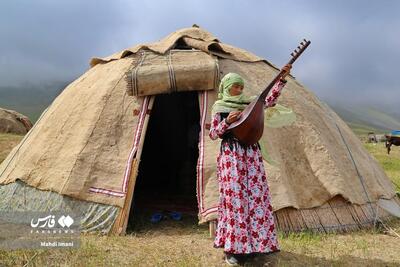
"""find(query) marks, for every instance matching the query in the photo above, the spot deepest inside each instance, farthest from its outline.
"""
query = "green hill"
(364, 119)
(30, 100)
(33, 100)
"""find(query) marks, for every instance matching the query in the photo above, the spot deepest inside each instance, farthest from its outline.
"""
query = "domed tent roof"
(13, 122)
(84, 151)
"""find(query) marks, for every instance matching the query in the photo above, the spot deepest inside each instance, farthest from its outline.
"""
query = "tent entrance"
(166, 179)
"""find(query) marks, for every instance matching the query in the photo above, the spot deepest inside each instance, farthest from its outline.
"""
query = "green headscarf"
(226, 102)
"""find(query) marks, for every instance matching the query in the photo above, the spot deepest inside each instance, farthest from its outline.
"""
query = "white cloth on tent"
(390, 206)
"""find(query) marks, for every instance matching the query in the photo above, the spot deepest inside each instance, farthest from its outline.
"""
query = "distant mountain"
(33, 100)
(363, 119)
(30, 100)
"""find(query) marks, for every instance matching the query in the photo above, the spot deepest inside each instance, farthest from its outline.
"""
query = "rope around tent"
(361, 178)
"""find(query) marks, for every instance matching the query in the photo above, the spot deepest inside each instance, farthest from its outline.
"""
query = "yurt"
(13, 122)
(135, 127)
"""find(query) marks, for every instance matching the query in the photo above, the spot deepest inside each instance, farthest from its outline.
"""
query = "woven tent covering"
(13, 122)
(85, 150)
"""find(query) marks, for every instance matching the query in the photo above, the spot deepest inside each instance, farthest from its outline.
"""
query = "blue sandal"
(156, 217)
(176, 216)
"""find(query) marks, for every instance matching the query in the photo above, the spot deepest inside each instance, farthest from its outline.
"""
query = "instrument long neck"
(264, 93)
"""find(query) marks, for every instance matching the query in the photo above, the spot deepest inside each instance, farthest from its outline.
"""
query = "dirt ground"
(184, 243)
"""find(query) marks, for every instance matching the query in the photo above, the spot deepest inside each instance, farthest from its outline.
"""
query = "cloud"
(354, 48)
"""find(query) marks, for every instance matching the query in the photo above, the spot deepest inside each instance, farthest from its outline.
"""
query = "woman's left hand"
(287, 69)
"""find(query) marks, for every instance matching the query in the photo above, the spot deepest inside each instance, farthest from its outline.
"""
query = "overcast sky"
(353, 55)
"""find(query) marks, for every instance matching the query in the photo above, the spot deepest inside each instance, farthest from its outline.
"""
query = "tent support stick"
(213, 225)
(122, 220)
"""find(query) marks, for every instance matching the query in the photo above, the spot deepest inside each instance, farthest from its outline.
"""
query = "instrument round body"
(249, 128)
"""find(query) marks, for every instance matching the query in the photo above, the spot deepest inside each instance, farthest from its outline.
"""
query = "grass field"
(184, 243)
(390, 163)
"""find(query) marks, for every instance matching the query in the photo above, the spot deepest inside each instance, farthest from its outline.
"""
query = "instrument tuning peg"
(299, 47)
(304, 40)
(292, 54)
(302, 43)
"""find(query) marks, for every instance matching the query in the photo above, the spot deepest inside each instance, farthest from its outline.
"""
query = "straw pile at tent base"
(88, 153)
(337, 215)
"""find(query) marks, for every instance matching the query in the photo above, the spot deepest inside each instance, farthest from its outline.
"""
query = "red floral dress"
(245, 218)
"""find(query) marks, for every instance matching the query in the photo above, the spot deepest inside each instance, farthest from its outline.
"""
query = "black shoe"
(231, 259)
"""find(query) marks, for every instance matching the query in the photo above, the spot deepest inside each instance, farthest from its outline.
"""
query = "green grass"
(390, 163)
(187, 244)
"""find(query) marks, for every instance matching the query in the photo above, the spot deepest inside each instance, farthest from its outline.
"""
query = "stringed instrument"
(249, 128)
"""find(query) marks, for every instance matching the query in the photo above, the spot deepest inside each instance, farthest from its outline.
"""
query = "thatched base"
(337, 215)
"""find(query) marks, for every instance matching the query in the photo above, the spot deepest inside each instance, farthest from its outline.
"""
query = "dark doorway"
(167, 172)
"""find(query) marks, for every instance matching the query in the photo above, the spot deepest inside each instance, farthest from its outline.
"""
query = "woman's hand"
(233, 116)
(286, 72)
(287, 69)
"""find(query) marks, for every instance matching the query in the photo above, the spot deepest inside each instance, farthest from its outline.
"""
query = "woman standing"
(245, 219)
